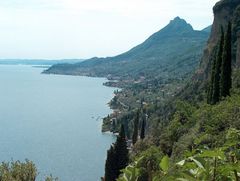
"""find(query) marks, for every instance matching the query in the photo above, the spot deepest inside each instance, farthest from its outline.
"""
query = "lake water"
(55, 121)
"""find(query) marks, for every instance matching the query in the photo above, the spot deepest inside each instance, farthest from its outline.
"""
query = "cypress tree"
(110, 165)
(226, 69)
(211, 82)
(142, 134)
(121, 152)
(135, 128)
(117, 157)
(217, 71)
(210, 88)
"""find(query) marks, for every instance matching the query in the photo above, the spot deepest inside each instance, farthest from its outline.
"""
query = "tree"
(117, 157)
(221, 81)
(121, 151)
(226, 68)
(20, 171)
(210, 86)
(110, 165)
(135, 128)
(142, 134)
(217, 71)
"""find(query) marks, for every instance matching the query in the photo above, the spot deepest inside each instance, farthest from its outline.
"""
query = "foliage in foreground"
(200, 143)
(20, 171)
(222, 163)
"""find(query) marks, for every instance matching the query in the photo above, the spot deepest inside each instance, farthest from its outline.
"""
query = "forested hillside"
(172, 52)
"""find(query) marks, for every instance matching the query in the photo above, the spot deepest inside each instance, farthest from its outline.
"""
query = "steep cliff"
(225, 11)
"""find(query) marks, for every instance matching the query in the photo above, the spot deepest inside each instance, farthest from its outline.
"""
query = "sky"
(65, 29)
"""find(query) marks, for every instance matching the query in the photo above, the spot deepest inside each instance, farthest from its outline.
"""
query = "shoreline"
(108, 83)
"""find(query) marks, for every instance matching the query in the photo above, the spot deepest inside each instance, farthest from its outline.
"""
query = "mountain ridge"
(175, 44)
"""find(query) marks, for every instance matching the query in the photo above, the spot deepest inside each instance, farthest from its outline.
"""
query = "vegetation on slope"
(20, 171)
(188, 139)
(201, 164)
(172, 52)
(192, 142)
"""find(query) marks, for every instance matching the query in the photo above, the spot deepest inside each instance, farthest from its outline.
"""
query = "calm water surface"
(54, 121)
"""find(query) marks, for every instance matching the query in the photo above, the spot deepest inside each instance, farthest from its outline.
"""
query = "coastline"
(105, 127)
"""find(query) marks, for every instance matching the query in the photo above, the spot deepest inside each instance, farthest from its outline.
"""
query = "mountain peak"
(177, 27)
(178, 19)
(179, 24)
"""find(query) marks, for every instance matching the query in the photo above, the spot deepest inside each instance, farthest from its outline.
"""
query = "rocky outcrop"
(224, 12)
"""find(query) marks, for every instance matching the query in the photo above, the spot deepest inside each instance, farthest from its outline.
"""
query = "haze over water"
(54, 121)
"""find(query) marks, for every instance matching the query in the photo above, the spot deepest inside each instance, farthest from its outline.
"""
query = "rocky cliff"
(225, 11)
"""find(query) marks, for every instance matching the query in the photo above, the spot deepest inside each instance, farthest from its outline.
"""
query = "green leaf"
(164, 165)
(155, 179)
(193, 171)
(181, 163)
(182, 179)
(188, 176)
(213, 153)
(198, 163)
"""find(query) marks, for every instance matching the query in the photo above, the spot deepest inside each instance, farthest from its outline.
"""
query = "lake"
(54, 121)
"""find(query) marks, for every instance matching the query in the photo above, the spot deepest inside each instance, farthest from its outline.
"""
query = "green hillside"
(172, 52)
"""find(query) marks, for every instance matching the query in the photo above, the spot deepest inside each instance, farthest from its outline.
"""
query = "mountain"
(171, 52)
(207, 29)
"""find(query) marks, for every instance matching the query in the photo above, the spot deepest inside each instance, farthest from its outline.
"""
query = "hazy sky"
(56, 29)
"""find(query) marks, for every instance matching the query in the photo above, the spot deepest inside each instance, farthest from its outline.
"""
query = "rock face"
(224, 12)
